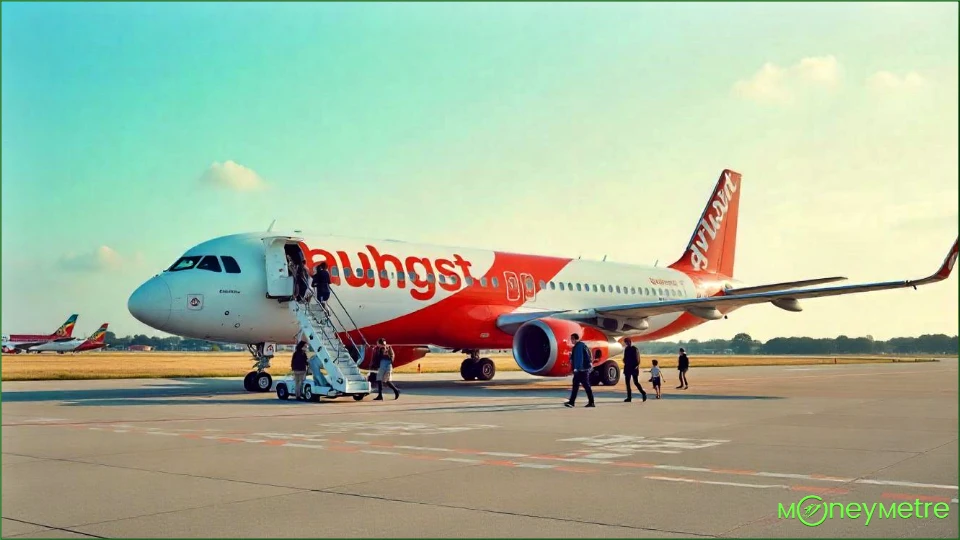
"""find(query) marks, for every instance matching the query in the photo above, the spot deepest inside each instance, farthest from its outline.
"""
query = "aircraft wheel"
(595, 377)
(248, 381)
(485, 369)
(282, 392)
(609, 373)
(262, 382)
(359, 397)
(467, 370)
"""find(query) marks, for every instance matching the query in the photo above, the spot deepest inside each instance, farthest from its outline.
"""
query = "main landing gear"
(258, 380)
(607, 374)
(476, 368)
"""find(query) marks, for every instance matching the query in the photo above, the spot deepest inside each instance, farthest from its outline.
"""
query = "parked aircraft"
(234, 289)
(16, 343)
(95, 341)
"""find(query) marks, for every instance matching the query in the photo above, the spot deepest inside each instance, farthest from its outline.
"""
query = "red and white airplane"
(234, 288)
(16, 343)
(95, 341)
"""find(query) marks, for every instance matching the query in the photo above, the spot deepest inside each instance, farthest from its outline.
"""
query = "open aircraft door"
(279, 280)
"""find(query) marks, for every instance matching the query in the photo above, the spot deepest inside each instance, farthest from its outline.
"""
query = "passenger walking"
(581, 363)
(299, 366)
(631, 369)
(655, 377)
(683, 364)
(384, 354)
(321, 282)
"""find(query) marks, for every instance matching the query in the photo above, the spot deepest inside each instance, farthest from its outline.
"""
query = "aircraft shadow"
(190, 391)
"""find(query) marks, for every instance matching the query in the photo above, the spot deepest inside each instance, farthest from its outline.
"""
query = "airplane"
(95, 341)
(235, 289)
(17, 343)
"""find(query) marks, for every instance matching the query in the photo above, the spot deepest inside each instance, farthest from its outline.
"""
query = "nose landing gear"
(258, 380)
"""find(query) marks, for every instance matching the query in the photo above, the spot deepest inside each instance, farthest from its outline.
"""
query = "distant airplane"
(236, 289)
(16, 343)
(95, 341)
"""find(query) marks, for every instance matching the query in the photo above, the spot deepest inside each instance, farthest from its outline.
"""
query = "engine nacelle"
(542, 346)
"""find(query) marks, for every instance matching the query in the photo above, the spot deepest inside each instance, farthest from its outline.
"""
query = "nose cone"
(150, 303)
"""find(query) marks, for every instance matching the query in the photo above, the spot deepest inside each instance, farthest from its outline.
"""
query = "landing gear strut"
(476, 368)
(258, 380)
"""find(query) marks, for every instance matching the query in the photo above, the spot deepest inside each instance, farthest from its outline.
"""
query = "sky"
(133, 131)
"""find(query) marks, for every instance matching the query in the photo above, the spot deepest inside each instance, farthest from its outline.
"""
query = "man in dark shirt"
(299, 366)
(321, 282)
(683, 364)
(581, 363)
(631, 369)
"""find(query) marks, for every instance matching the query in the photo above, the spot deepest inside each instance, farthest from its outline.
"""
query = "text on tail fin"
(712, 246)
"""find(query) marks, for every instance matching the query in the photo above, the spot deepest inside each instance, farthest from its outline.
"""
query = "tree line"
(741, 344)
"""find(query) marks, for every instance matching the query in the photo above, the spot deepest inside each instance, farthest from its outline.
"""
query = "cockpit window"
(209, 263)
(184, 263)
(230, 264)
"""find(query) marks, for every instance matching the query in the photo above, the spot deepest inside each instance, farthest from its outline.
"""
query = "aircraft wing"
(708, 308)
(782, 286)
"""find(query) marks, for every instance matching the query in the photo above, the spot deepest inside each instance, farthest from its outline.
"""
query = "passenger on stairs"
(301, 283)
(383, 354)
(299, 366)
(321, 282)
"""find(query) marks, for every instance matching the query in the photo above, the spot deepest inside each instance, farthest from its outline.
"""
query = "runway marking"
(624, 445)
(717, 483)
(351, 446)
(921, 498)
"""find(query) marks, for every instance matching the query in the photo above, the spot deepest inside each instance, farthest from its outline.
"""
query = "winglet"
(947, 267)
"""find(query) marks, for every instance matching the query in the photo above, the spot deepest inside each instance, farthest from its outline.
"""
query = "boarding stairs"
(334, 370)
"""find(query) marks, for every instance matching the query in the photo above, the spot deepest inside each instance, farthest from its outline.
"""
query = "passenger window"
(209, 263)
(552, 286)
(383, 274)
(529, 283)
(184, 263)
(413, 276)
(469, 281)
(561, 286)
(594, 288)
(431, 278)
(334, 272)
(618, 288)
(400, 276)
(494, 283)
(454, 279)
(483, 282)
(569, 286)
(633, 290)
(443, 279)
(348, 272)
(660, 291)
(603, 288)
(578, 287)
(370, 274)
(543, 285)
(230, 265)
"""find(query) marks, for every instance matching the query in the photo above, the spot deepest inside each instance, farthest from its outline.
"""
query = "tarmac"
(203, 458)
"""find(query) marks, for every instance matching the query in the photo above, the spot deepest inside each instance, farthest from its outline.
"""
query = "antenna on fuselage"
(655, 264)
(604, 258)
(270, 228)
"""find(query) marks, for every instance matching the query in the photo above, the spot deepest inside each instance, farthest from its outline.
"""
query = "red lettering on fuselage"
(372, 270)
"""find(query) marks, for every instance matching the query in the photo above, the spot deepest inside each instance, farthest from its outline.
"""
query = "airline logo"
(99, 334)
(66, 329)
(372, 268)
(711, 222)
(195, 301)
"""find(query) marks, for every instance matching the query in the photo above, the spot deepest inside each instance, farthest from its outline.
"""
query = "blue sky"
(482, 125)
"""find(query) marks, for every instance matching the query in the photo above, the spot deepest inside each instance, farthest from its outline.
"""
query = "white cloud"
(104, 258)
(232, 175)
(775, 84)
(886, 81)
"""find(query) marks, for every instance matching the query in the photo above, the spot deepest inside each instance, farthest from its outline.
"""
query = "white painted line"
(96, 429)
(163, 433)
(298, 445)
(905, 484)
(357, 442)
(252, 440)
(536, 465)
(954, 501)
(503, 454)
(460, 460)
(424, 448)
(735, 484)
(682, 468)
(381, 452)
(121, 431)
(801, 477)
(587, 460)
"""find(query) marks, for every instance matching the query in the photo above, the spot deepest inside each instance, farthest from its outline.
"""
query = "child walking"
(655, 377)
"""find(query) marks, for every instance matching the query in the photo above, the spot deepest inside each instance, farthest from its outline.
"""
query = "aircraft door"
(279, 280)
(513, 286)
(529, 288)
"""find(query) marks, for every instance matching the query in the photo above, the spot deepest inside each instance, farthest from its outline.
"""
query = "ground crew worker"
(299, 366)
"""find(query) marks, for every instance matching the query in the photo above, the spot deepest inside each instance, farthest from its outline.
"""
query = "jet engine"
(542, 346)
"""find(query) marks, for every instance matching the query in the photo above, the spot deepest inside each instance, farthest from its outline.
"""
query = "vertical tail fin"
(712, 246)
(66, 329)
(97, 337)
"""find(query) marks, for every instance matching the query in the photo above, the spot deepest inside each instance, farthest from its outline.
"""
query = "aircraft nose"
(151, 302)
